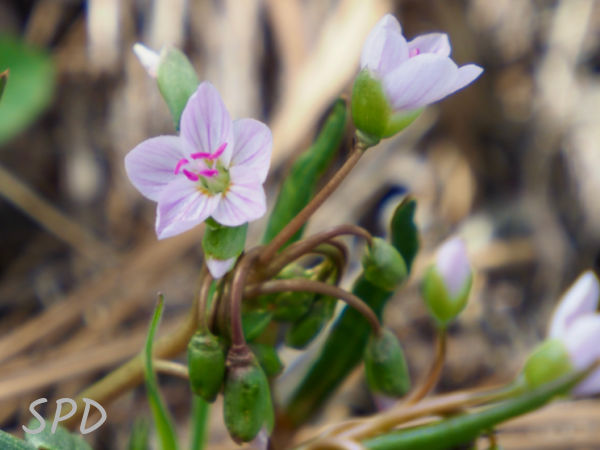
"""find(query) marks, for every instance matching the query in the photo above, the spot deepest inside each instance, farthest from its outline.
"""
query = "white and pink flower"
(215, 168)
(415, 73)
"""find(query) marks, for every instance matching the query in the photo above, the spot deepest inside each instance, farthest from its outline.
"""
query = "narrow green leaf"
(162, 419)
(31, 85)
(254, 323)
(200, 413)
(9, 442)
(464, 428)
(139, 435)
(59, 440)
(345, 345)
(3, 80)
(405, 234)
(177, 81)
(301, 183)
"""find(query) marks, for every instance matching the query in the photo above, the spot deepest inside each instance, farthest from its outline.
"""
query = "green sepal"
(31, 87)
(383, 265)
(10, 442)
(548, 361)
(267, 358)
(404, 231)
(3, 80)
(304, 330)
(254, 322)
(206, 363)
(372, 114)
(247, 405)
(221, 242)
(160, 413)
(442, 306)
(464, 428)
(177, 81)
(302, 180)
(385, 365)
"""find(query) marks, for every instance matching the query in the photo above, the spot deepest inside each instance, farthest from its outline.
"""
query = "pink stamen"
(208, 172)
(414, 52)
(190, 175)
(180, 163)
(205, 155)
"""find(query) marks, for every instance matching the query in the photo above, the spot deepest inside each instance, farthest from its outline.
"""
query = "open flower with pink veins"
(215, 168)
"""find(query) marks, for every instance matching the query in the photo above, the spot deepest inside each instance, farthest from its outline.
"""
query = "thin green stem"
(302, 217)
(237, 289)
(207, 280)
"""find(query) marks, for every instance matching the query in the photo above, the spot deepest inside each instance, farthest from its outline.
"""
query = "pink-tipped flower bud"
(447, 283)
(148, 57)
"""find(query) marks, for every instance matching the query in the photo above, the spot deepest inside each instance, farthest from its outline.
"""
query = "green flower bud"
(206, 362)
(373, 116)
(291, 306)
(548, 361)
(383, 265)
(447, 283)
(268, 359)
(385, 366)
(247, 403)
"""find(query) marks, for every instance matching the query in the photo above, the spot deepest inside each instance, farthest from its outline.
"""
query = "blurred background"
(510, 163)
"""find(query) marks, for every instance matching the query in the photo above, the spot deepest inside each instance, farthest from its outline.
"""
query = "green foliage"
(346, 342)
(200, 413)
(405, 234)
(162, 419)
(9, 442)
(464, 428)
(206, 362)
(301, 183)
(383, 265)
(31, 85)
(254, 323)
(221, 242)
(306, 328)
(61, 439)
(267, 358)
(139, 435)
(247, 401)
(177, 81)
(385, 365)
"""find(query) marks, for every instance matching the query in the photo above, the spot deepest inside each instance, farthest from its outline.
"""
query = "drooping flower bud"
(385, 366)
(383, 265)
(206, 363)
(447, 283)
(247, 403)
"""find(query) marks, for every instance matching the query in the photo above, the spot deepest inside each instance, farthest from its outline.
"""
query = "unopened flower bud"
(549, 361)
(383, 265)
(385, 366)
(447, 283)
(206, 362)
(268, 358)
(247, 403)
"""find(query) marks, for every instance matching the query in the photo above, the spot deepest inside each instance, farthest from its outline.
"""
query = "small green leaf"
(9, 442)
(221, 242)
(162, 419)
(31, 85)
(59, 440)
(177, 81)
(405, 234)
(139, 435)
(3, 80)
(301, 183)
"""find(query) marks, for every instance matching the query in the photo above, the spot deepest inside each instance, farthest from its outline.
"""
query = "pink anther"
(180, 163)
(208, 172)
(414, 52)
(206, 155)
(191, 175)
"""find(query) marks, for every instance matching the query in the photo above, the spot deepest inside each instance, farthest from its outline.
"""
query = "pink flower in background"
(576, 323)
(215, 168)
(416, 73)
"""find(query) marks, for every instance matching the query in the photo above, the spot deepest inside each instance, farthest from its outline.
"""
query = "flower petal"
(242, 203)
(150, 165)
(420, 81)
(466, 75)
(253, 145)
(579, 300)
(385, 48)
(581, 341)
(181, 207)
(219, 267)
(452, 263)
(206, 124)
(437, 43)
